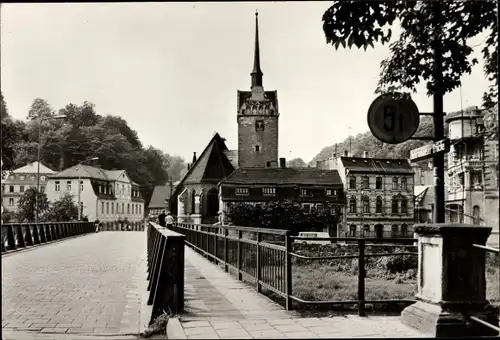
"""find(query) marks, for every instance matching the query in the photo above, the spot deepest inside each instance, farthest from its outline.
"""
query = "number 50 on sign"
(393, 120)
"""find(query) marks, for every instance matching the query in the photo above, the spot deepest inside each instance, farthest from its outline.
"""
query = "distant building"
(20, 180)
(314, 189)
(160, 199)
(107, 195)
(379, 196)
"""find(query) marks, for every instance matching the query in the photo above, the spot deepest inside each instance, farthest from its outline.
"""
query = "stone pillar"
(196, 217)
(451, 281)
(181, 216)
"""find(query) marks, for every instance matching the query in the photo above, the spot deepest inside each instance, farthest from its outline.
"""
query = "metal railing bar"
(338, 257)
(491, 249)
(484, 323)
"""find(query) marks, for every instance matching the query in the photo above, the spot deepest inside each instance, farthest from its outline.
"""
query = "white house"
(107, 195)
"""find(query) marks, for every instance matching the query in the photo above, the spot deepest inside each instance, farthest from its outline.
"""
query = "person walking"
(170, 221)
(161, 218)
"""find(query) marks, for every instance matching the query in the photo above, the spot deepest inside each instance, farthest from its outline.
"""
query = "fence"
(117, 226)
(264, 256)
(475, 319)
(165, 254)
(19, 235)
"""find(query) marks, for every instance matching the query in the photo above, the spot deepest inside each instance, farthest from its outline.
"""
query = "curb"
(174, 329)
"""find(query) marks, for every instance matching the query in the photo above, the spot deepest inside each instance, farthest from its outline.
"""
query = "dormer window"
(242, 191)
(331, 192)
(269, 191)
(305, 192)
(21, 177)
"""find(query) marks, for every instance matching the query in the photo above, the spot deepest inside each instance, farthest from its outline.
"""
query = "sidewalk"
(218, 306)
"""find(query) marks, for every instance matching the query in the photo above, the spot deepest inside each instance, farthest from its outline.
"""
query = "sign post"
(429, 151)
(393, 119)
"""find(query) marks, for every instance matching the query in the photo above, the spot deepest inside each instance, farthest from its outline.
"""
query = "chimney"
(189, 166)
(346, 153)
(365, 154)
(61, 162)
(282, 163)
(194, 157)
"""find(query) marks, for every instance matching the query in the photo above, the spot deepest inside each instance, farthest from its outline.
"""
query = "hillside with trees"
(83, 134)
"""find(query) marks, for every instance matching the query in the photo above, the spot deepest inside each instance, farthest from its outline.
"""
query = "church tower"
(257, 119)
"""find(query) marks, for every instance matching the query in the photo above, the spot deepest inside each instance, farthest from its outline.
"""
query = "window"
(11, 201)
(107, 207)
(319, 207)
(133, 208)
(394, 206)
(475, 214)
(42, 188)
(305, 192)
(404, 230)
(140, 209)
(378, 206)
(379, 231)
(306, 208)
(3, 188)
(404, 205)
(352, 205)
(366, 230)
(57, 186)
(331, 192)
(394, 231)
(257, 148)
(404, 183)
(395, 183)
(352, 231)
(123, 208)
(81, 185)
(43, 178)
(352, 182)
(242, 191)
(128, 208)
(366, 182)
(68, 186)
(21, 188)
(378, 183)
(112, 207)
(11, 188)
(366, 205)
(102, 207)
(269, 191)
(32, 178)
(21, 177)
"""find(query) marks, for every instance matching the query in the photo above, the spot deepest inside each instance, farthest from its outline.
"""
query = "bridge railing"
(165, 263)
(127, 226)
(20, 235)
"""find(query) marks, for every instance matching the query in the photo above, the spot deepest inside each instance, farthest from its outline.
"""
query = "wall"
(16, 180)
(248, 138)
(87, 195)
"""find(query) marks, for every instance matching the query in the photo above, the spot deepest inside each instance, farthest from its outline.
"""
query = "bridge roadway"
(89, 287)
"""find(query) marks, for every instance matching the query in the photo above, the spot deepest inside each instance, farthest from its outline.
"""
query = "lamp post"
(79, 185)
(38, 159)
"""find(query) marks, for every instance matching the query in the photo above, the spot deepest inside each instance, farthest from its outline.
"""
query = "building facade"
(472, 169)
(107, 195)
(379, 196)
(20, 180)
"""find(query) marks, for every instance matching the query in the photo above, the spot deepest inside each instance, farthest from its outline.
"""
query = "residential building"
(472, 171)
(314, 189)
(107, 195)
(379, 196)
(160, 199)
(21, 179)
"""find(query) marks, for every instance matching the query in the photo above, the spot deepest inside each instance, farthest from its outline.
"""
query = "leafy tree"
(296, 163)
(40, 108)
(26, 207)
(63, 209)
(8, 216)
(3, 107)
(426, 25)
(175, 167)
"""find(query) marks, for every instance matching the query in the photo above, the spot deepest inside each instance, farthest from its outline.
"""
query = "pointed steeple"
(256, 72)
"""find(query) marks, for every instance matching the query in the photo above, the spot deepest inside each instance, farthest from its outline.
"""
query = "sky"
(171, 70)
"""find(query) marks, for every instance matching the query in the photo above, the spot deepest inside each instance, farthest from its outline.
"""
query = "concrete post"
(451, 281)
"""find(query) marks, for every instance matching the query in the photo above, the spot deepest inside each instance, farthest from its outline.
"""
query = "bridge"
(64, 281)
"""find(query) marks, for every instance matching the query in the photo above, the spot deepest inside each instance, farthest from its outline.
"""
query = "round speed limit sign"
(393, 120)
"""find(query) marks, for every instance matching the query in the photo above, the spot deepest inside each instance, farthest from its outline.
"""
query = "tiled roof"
(82, 171)
(32, 168)
(160, 193)
(309, 176)
(114, 174)
(377, 165)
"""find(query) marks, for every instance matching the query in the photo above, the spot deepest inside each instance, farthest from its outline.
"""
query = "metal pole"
(79, 204)
(38, 170)
(438, 160)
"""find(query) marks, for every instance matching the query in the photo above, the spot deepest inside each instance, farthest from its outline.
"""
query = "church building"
(254, 173)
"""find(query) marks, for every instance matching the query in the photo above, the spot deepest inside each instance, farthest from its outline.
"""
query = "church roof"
(273, 176)
(211, 166)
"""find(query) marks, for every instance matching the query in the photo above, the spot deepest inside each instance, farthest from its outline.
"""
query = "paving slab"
(87, 286)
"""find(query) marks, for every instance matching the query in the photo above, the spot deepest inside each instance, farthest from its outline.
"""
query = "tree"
(40, 108)
(63, 209)
(175, 167)
(296, 163)
(3, 107)
(425, 25)
(26, 207)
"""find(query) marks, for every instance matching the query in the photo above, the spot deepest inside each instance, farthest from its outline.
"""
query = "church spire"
(257, 72)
